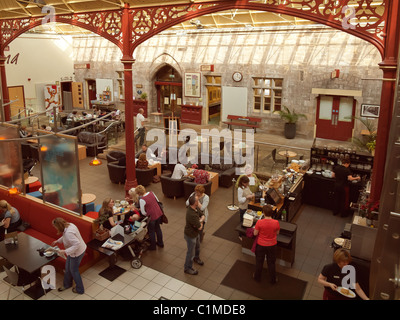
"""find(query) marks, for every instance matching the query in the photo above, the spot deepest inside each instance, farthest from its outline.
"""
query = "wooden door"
(77, 94)
(335, 117)
(17, 93)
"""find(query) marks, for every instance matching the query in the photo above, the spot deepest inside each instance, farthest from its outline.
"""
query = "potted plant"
(369, 210)
(291, 118)
(143, 96)
(366, 142)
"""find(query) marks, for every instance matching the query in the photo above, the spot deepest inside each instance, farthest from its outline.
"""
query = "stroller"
(140, 242)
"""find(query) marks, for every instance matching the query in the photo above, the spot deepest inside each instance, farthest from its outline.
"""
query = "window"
(267, 94)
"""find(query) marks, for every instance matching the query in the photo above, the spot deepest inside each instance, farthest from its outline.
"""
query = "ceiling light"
(95, 162)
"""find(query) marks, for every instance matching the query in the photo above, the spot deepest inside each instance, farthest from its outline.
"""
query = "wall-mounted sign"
(335, 74)
(82, 66)
(139, 86)
(207, 67)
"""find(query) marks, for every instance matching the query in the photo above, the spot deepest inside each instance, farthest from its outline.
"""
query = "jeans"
(261, 252)
(140, 134)
(155, 230)
(193, 250)
(72, 273)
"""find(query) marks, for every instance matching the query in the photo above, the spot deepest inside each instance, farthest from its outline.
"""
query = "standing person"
(331, 277)
(267, 230)
(10, 219)
(140, 119)
(342, 175)
(244, 195)
(149, 207)
(203, 201)
(193, 227)
(254, 182)
(75, 249)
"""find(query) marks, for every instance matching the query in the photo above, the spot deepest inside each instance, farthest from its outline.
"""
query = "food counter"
(286, 248)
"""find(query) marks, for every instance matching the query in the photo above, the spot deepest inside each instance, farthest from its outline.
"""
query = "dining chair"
(13, 279)
(276, 160)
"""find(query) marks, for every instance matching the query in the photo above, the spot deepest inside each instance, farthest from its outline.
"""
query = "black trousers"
(341, 200)
(261, 253)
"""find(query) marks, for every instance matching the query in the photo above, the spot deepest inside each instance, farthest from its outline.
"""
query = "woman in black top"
(331, 277)
(106, 214)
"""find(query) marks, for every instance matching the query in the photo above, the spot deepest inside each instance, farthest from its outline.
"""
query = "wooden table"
(287, 154)
(157, 116)
(25, 256)
(81, 152)
(214, 177)
(30, 180)
(156, 165)
(87, 198)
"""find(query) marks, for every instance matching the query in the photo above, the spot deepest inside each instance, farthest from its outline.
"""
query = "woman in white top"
(75, 249)
(179, 171)
(203, 202)
(244, 195)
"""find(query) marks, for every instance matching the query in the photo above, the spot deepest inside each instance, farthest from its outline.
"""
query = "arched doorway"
(168, 84)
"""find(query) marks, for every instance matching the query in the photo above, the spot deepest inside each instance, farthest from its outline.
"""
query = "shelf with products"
(325, 158)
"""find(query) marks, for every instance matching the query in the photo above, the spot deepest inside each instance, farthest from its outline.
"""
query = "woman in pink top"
(267, 230)
(75, 249)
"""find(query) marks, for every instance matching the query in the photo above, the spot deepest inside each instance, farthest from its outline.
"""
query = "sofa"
(144, 176)
(116, 172)
(226, 169)
(188, 188)
(40, 216)
(95, 142)
(114, 155)
(171, 188)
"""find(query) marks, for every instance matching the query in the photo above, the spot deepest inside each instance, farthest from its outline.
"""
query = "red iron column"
(389, 68)
(128, 61)
(6, 98)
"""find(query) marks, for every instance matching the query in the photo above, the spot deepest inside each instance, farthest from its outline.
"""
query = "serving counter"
(286, 248)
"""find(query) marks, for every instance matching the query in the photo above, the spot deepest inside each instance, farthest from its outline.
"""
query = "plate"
(48, 253)
(339, 241)
(350, 294)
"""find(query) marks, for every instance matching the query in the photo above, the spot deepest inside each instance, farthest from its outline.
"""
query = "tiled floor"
(162, 271)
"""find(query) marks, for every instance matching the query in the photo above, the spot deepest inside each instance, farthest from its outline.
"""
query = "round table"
(88, 198)
(50, 188)
(157, 116)
(288, 154)
(30, 180)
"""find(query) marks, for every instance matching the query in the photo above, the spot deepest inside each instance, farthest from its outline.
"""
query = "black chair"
(188, 188)
(172, 188)
(115, 155)
(144, 176)
(277, 161)
(116, 172)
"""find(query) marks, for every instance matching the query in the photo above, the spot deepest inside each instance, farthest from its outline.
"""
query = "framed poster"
(370, 110)
(192, 84)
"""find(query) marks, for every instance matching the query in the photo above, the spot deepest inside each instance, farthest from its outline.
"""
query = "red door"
(335, 117)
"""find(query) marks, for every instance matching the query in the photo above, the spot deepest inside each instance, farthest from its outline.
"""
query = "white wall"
(43, 59)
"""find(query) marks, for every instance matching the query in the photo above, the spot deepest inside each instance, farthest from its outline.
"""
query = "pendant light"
(95, 162)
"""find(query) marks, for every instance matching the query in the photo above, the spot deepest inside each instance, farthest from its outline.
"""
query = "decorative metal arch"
(370, 26)
(146, 22)
(107, 24)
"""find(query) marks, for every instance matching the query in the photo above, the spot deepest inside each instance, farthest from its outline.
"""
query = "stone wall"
(303, 58)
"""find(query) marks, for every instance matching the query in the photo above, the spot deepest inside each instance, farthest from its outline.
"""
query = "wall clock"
(237, 76)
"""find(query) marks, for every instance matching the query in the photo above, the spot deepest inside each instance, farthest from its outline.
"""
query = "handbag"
(164, 218)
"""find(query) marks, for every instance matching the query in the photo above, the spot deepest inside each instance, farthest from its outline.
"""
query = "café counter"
(286, 248)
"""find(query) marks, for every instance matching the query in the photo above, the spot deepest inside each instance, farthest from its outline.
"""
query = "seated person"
(254, 181)
(147, 151)
(142, 162)
(116, 115)
(23, 133)
(10, 219)
(200, 176)
(179, 172)
(106, 214)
